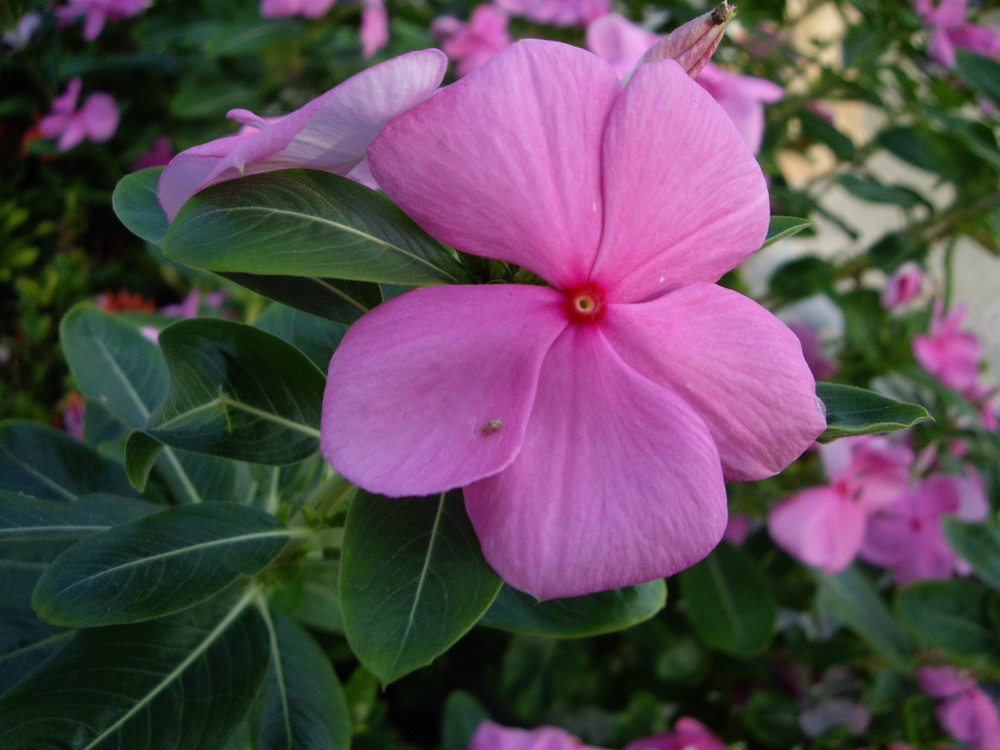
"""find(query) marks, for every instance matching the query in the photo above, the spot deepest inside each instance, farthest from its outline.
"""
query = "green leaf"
(413, 580)
(306, 223)
(462, 716)
(137, 206)
(922, 147)
(303, 705)
(315, 337)
(784, 226)
(773, 719)
(856, 411)
(335, 299)
(603, 612)
(801, 277)
(874, 191)
(235, 392)
(978, 544)
(981, 72)
(45, 463)
(852, 601)
(157, 565)
(25, 642)
(954, 616)
(184, 681)
(311, 595)
(26, 520)
(729, 603)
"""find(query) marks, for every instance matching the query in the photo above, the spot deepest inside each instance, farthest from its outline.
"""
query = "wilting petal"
(818, 527)
(432, 389)
(685, 200)
(618, 480)
(736, 364)
(505, 163)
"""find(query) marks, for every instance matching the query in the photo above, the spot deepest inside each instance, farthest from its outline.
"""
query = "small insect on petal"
(492, 426)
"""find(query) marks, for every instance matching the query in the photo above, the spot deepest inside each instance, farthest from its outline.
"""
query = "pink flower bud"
(902, 286)
(693, 44)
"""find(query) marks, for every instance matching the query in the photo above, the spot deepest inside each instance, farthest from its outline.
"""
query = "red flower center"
(584, 304)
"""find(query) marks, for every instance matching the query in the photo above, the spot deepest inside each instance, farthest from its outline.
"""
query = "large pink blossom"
(950, 30)
(591, 421)
(968, 713)
(688, 734)
(98, 12)
(557, 12)
(947, 352)
(96, 120)
(330, 133)
(490, 736)
(473, 43)
(824, 527)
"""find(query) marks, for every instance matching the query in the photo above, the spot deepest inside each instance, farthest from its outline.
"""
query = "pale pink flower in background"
(688, 734)
(743, 98)
(26, 27)
(96, 120)
(330, 133)
(191, 306)
(159, 155)
(948, 353)
(968, 713)
(374, 31)
(592, 422)
(619, 41)
(950, 30)
(557, 12)
(473, 43)
(824, 527)
(490, 736)
(907, 537)
(288, 8)
(820, 365)
(902, 285)
(98, 12)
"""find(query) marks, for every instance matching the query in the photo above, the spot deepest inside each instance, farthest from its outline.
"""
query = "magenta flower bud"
(903, 285)
(693, 44)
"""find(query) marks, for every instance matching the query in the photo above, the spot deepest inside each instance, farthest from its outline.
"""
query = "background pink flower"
(743, 98)
(96, 120)
(473, 43)
(947, 352)
(968, 713)
(688, 734)
(98, 12)
(288, 8)
(949, 30)
(490, 736)
(557, 12)
(902, 285)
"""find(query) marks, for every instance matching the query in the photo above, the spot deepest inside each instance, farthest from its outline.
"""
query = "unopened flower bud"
(693, 44)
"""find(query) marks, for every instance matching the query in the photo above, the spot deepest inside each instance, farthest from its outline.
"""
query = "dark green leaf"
(335, 299)
(876, 192)
(413, 580)
(462, 716)
(981, 72)
(784, 226)
(157, 565)
(25, 520)
(801, 277)
(311, 595)
(302, 704)
(315, 337)
(816, 128)
(45, 463)
(184, 681)
(773, 719)
(978, 544)
(852, 601)
(25, 642)
(137, 206)
(729, 602)
(856, 411)
(593, 614)
(306, 223)
(921, 147)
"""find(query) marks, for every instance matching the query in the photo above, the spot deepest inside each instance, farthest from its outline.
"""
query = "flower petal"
(683, 201)
(735, 363)
(506, 162)
(618, 481)
(818, 527)
(186, 172)
(432, 389)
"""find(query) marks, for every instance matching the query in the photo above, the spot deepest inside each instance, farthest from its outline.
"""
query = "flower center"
(584, 305)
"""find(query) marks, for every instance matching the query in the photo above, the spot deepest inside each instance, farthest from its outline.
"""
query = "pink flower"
(743, 98)
(490, 736)
(819, 364)
(473, 43)
(591, 422)
(949, 354)
(159, 155)
(330, 133)
(968, 713)
(824, 527)
(619, 41)
(688, 734)
(902, 285)
(98, 12)
(557, 12)
(27, 26)
(374, 31)
(96, 120)
(907, 536)
(288, 8)
(738, 528)
(949, 30)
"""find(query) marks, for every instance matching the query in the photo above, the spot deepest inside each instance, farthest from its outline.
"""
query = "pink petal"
(432, 389)
(94, 24)
(101, 115)
(942, 682)
(490, 736)
(74, 134)
(818, 527)
(684, 200)
(978, 39)
(738, 366)
(618, 481)
(506, 162)
(972, 717)
(619, 41)
(374, 31)
(188, 170)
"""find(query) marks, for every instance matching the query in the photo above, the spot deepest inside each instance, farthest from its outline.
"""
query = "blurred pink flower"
(490, 736)
(158, 155)
(968, 713)
(473, 43)
(820, 365)
(374, 31)
(592, 422)
(288, 8)
(907, 536)
(902, 285)
(824, 527)
(74, 409)
(619, 41)
(950, 354)
(26, 27)
(688, 734)
(738, 528)
(330, 133)
(96, 120)
(949, 30)
(557, 12)
(98, 12)
(743, 98)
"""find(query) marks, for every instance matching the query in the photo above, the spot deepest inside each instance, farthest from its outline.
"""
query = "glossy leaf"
(45, 463)
(413, 580)
(784, 226)
(603, 612)
(302, 704)
(856, 411)
(978, 544)
(306, 223)
(334, 299)
(136, 204)
(729, 602)
(184, 681)
(315, 337)
(157, 565)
